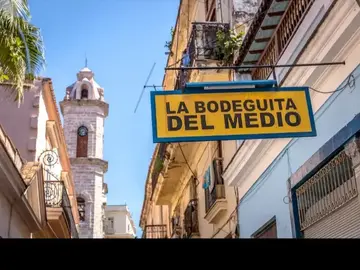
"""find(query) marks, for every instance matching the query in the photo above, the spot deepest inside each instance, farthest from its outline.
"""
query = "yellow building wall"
(204, 152)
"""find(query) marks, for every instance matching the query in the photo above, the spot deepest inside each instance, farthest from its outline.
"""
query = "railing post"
(352, 149)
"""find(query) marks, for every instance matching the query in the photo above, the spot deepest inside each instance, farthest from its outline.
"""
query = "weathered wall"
(268, 194)
(18, 227)
(25, 125)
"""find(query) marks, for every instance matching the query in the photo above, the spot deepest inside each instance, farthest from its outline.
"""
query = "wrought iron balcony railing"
(201, 46)
(155, 232)
(56, 196)
(175, 226)
(328, 189)
(202, 43)
(191, 218)
(282, 36)
(218, 192)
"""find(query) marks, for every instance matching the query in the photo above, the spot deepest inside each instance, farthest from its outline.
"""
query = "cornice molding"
(90, 161)
(245, 160)
(85, 102)
(53, 133)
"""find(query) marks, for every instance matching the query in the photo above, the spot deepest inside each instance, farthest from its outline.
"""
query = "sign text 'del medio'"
(229, 115)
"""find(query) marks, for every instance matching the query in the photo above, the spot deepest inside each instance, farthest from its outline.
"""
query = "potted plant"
(227, 42)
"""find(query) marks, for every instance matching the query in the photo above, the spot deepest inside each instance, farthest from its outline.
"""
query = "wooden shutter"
(82, 146)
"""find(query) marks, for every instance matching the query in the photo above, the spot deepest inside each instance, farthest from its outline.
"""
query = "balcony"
(155, 232)
(158, 165)
(176, 229)
(191, 222)
(201, 48)
(58, 209)
(168, 181)
(202, 43)
(215, 203)
(270, 33)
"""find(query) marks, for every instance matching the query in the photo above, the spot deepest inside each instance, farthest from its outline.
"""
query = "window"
(110, 223)
(82, 142)
(81, 208)
(84, 93)
(268, 230)
(213, 184)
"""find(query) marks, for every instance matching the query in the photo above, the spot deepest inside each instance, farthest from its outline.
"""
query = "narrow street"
(179, 119)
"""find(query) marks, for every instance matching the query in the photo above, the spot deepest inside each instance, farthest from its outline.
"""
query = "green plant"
(21, 46)
(168, 44)
(159, 165)
(227, 42)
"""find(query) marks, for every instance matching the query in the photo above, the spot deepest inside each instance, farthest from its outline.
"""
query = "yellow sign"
(251, 113)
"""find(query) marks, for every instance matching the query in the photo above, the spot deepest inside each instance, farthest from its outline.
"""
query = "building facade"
(303, 187)
(84, 110)
(35, 130)
(185, 195)
(119, 222)
(23, 211)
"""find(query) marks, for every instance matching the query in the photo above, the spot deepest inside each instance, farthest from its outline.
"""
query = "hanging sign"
(236, 114)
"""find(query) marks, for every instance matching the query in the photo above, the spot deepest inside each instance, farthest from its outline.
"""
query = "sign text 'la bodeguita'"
(236, 114)
(229, 115)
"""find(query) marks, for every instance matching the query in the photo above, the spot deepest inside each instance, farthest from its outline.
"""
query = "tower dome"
(85, 87)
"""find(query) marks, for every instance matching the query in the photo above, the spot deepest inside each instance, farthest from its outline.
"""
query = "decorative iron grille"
(155, 231)
(191, 218)
(202, 43)
(56, 196)
(330, 188)
(201, 46)
(218, 192)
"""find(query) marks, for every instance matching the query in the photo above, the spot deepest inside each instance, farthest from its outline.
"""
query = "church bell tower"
(84, 110)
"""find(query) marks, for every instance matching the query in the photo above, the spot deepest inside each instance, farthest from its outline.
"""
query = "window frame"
(81, 201)
(82, 143)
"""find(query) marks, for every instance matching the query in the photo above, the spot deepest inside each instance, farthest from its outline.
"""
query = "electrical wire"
(211, 44)
(214, 41)
(186, 161)
(350, 82)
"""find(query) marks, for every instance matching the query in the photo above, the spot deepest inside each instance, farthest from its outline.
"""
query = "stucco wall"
(265, 199)
(18, 228)
(22, 126)
(122, 223)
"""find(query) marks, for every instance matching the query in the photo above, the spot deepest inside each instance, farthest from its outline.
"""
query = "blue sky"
(122, 40)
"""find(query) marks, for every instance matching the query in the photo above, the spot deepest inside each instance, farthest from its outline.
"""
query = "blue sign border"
(188, 91)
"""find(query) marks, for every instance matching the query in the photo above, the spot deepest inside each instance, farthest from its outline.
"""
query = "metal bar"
(152, 86)
(209, 23)
(258, 66)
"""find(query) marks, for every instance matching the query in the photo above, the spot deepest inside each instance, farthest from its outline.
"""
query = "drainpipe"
(220, 157)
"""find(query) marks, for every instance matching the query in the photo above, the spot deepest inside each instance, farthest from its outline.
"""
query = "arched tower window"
(84, 93)
(81, 208)
(82, 142)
